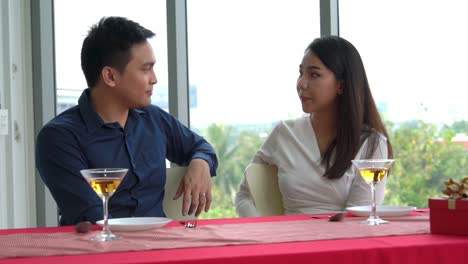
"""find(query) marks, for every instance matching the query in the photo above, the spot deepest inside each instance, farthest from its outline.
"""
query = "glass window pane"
(415, 55)
(71, 27)
(244, 61)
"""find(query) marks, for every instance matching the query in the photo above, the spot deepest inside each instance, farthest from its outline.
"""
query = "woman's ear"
(109, 76)
(340, 88)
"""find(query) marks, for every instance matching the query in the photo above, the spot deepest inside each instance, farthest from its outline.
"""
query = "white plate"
(382, 210)
(135, 223)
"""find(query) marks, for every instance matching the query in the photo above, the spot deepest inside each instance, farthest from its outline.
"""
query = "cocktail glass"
(104, 182)
(373, 171)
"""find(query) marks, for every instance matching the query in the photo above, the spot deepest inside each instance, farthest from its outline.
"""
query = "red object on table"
(449, 217)
(412, 249)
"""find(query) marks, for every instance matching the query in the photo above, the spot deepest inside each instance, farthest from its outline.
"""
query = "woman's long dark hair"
(357, 112)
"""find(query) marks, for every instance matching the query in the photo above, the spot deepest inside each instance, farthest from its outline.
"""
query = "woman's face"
(317, 86)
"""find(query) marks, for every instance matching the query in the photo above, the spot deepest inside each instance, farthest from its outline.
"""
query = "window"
(71, 27)
(244, 60)
(415, 55)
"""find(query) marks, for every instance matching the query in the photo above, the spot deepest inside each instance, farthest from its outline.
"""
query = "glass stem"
(374, 206)
(105, 229)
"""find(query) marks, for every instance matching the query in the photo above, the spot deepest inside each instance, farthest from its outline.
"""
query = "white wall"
(17, 169)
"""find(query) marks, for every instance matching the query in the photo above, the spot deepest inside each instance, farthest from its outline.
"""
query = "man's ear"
(109, 76)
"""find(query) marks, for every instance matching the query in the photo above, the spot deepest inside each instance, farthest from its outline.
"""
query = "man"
(115, 126)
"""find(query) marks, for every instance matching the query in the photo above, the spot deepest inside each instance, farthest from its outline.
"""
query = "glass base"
(106, 237)
(374, 221)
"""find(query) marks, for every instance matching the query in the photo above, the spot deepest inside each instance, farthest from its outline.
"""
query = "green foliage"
(460, 127)
(235, 150)
(424, 158)
(422, 164)
(221, 207)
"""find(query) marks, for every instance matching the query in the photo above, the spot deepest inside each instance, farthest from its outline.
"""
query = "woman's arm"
(245, 206)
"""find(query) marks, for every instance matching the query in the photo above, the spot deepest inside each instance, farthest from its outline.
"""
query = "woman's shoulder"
(294, 124)
(291, 128)
(372, 133)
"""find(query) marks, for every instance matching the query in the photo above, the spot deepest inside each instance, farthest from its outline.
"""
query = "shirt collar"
(133, 116)
(137, 111)
(91, 118)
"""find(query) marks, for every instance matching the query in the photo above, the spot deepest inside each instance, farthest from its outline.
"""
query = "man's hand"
(196, 187)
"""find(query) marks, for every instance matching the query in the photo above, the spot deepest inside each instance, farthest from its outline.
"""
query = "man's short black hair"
(108, 44)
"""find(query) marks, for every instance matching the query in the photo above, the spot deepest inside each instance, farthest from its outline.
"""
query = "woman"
(313, 153)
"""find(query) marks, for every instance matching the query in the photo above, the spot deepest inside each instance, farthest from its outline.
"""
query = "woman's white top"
(293, 148)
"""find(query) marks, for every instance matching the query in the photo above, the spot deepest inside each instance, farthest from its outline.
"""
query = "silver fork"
(190, 223)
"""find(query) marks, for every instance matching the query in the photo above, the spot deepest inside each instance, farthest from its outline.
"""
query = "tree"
(234, 150)
(424, 158)
(422, 164)
(460, 126)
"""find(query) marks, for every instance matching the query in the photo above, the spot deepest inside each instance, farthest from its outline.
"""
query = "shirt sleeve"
(265, 155)
(183, 144)
(59, 161)
(360, 193)
(245, 205)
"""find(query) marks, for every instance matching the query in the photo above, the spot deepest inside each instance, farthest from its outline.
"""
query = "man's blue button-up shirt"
(79, 139)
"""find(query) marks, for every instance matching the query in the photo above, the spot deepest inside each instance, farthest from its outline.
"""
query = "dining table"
(266, 239)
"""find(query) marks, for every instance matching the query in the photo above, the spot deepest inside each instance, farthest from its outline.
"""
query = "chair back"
(173, 208)
(263, 183)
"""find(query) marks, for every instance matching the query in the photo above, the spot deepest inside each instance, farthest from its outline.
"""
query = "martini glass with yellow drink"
(104, 182)
(373, 171)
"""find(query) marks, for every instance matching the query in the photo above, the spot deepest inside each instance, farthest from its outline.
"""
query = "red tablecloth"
(395, 249)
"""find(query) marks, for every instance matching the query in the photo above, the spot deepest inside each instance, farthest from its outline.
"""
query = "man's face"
(135, 84)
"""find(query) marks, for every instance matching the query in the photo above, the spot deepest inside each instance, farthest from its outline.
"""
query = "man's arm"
(59, 161)
(184, 147)
(196, 188)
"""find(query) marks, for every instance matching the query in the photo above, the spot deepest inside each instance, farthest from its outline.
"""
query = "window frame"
(42, 22)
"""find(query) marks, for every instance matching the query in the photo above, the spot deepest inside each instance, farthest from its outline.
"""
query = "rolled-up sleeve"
(183, 144)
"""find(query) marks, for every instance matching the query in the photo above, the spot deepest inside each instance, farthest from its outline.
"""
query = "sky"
(244, 55)
(415, 55)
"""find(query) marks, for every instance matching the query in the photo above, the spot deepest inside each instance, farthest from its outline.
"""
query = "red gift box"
(448, 216)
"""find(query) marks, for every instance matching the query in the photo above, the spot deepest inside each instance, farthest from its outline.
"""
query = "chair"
(173, 208)
(263, 183)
